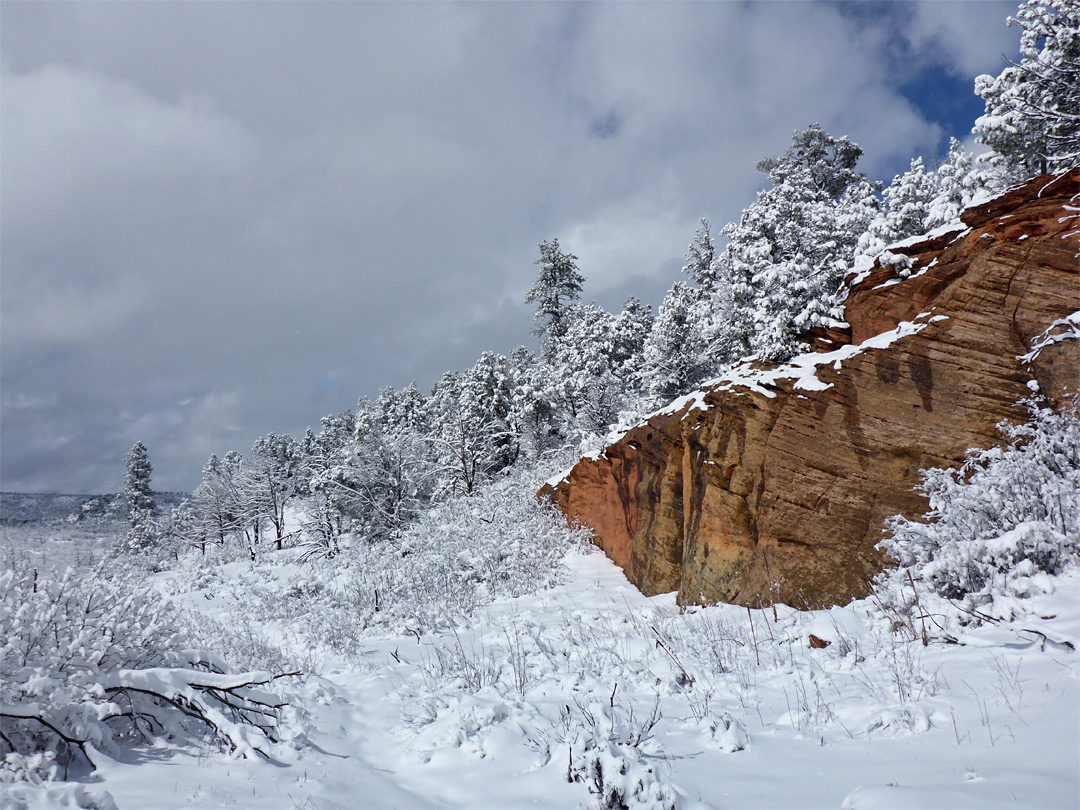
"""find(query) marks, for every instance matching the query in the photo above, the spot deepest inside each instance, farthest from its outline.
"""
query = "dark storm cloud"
(225, 219)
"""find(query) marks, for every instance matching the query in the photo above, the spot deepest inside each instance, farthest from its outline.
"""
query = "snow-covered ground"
(590, 694)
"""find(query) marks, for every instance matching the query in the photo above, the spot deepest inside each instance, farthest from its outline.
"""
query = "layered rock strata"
(773, 484)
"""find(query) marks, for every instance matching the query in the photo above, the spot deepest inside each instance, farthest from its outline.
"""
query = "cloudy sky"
(225, 219)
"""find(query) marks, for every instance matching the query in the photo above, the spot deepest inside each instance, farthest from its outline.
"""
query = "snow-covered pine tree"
(452, 439)
(675, 356)
(786, 257)
(1032, 119)
(216, 504)
(138, 494)
(905, 205)
(583, 380)
(393, 464)
(701, 258)
(533, 409)
(386, 480)
(469, 434)
(629, 330)
(919, 200)
(959, 183)
(138, 498)
(489, 386)
(401, 410)
(181, 529)
(325, 502)
(245, 500)
(557, 287)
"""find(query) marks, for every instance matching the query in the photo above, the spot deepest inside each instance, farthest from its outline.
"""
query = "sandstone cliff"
(773, 483)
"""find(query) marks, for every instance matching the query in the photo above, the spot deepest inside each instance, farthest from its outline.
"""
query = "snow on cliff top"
(762, 380)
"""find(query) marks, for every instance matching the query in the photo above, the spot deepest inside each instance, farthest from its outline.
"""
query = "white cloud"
(75, 138)
(24, 401)
(43, 313)
(970, 37)
(633, 238)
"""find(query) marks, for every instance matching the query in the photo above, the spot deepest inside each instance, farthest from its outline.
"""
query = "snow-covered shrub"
(498, 542)
(609, 750)
(899, 263)
(240, 643)
(87, 663)
(501, 542)
(1008, 513)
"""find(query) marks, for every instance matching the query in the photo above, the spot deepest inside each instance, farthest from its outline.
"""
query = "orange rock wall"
(757, 499)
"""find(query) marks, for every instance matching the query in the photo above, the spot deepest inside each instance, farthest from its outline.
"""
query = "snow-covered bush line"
(242, 645)
(618, 659)
(499, 542)
(1006, 516)
(88, 663)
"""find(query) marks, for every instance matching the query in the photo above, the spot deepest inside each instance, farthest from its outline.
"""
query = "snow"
(864, 264)
(987, 723)
(955, 227)
(803, 368)
(687, 707)
(890, 283)
(1067, 328)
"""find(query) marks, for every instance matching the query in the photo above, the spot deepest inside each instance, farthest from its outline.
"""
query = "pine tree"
(582, 375)
(138, 496)
(786, 257)
(139, 500)
(905, 209)
(1032, 119)
(402, 410)
(907, 200)
(215, 502)
(701, 257)
(386, 480)
(182, 529)
(556, 288)
(629, 331)
(959, 181)
(473, 433)
(533, 411)
(324, 455)
(675, 356)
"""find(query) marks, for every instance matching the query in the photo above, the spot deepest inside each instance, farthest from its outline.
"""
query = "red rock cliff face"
(774, 486)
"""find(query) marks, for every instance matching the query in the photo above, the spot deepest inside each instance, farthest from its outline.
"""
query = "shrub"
(1006, 514)
(86, 664)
